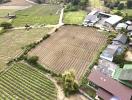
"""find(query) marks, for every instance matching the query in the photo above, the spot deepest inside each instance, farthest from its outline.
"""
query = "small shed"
(128, 22)
(121, 26)
(11, 16)
(129, 28)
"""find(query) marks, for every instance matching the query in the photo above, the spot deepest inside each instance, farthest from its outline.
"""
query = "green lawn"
(38, 14)
(12, 41)
(75, 17)
(22, 82)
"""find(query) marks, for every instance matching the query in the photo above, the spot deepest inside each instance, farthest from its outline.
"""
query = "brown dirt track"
(71, 47)
(17, 3)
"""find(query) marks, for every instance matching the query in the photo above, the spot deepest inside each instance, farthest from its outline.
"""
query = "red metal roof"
(112, 86)
(104, 94)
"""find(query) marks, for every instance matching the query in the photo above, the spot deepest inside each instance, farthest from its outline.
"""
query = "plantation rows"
(70, 48)
(24, 83)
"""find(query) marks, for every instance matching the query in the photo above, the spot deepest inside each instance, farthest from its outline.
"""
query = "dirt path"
(128, 55)
(61, 17)
(60, 93)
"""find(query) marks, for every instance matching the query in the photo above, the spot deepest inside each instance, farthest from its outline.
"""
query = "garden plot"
(71, 47)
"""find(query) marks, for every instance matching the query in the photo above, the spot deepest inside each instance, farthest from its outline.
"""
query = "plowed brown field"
(71, 47)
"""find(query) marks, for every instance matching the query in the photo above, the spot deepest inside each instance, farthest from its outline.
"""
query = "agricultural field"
(75, 17)
(71, 47)
(22, 82)
(12, 41)
(38, 14)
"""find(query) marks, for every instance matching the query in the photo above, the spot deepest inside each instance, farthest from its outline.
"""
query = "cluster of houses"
(107, 22)
(109, 80)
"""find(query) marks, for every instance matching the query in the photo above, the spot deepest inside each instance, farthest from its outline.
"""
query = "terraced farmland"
(21, 82)
(71, 47)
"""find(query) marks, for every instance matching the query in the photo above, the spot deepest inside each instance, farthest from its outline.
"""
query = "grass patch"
(95, 3)
(12, 41)
(124, 11)
(75, 17)
(38, 14)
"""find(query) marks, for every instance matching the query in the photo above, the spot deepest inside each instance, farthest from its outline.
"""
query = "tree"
(120, 6)
(83, 3)
(129, 3)
(70, 85)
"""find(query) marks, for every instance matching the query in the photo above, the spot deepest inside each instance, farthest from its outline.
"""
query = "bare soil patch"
(128, 56)
(71, 47)
(17, 3)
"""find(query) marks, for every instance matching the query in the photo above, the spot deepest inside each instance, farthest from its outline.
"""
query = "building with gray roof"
(120, 39)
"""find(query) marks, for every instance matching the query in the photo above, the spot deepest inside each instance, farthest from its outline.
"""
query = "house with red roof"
(108, 88)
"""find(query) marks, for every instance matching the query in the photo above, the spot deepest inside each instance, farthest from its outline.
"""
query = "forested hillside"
(4, 1)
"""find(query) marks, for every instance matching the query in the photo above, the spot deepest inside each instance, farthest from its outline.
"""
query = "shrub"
(110, 38)
(32, 59)
(71, 7)
(6, 25)
(118, 13)
(116, 4)
(46, 36)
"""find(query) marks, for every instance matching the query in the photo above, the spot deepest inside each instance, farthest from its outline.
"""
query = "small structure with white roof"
(121, 26)
(128, 22)
(112, 21)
